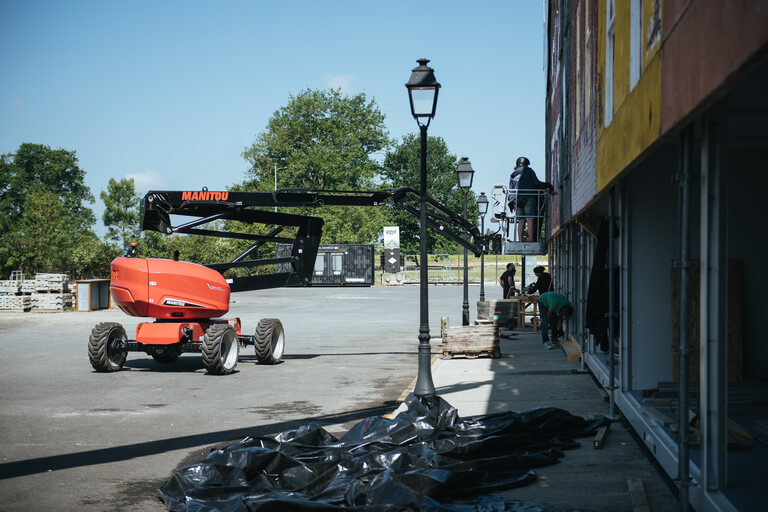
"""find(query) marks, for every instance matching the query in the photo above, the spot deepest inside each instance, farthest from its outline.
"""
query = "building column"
(713, 341)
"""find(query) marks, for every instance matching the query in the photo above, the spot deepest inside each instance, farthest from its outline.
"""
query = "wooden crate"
(470, 341)
(505, 310)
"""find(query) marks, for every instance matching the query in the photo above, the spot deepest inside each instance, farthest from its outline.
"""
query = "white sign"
(391, 237)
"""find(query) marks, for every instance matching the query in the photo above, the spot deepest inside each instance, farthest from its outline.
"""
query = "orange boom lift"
(186, 300)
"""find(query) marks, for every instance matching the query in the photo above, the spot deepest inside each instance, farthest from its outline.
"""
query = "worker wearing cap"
(527, 203)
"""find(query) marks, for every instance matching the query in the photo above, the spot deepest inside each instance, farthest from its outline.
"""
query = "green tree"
(36, 166)
(121, 211)
(45, 223)
(323, 140)
(320, 140)
(402, 167)
(42, 241)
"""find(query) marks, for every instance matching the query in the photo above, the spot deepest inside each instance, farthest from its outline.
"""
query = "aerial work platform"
(526, 234)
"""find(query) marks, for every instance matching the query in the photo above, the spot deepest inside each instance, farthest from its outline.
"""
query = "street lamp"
(465, 174)
(422, 93)
(482, 208)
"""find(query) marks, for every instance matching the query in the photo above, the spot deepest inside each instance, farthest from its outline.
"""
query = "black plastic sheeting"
(426, 459)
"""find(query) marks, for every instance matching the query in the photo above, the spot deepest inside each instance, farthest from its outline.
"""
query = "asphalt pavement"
(73, 439)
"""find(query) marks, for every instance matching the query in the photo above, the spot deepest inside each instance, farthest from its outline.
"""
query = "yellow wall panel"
(636, 125)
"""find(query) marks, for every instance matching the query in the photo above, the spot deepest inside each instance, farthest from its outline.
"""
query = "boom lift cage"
(508, 220)
(208, 206)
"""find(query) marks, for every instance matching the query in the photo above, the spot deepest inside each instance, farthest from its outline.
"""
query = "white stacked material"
(52, 301)
(52, 282)
(15, 302)
(10, 287)
(28, 286)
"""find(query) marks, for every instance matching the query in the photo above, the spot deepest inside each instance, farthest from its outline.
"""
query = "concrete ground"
(73, 439)
(527, 376)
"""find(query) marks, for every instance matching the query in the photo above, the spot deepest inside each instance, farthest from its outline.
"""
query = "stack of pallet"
(51, 301)
(51, 292)
(47, 292)
(17, 303)
(10, 287)
(11, 298)
(52, 283)
(470, 341)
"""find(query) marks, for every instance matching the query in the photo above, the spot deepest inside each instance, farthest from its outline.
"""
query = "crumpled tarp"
(425, 459)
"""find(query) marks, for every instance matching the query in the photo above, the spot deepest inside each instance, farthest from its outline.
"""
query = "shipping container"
(337, 264)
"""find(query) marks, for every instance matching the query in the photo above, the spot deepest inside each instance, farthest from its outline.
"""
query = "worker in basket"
(524, 198)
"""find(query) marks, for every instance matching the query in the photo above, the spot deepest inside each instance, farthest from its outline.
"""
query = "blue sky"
(171, 92)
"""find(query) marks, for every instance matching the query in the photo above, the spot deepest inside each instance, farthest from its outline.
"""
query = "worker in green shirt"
(554, 308)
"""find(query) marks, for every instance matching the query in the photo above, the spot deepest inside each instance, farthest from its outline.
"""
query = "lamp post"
(465, 174)
(422, 93)
(482, 208)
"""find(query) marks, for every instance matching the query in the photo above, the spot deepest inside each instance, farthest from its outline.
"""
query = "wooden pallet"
(470, 341)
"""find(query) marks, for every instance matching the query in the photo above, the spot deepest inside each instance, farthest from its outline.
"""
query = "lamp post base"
(424, 385)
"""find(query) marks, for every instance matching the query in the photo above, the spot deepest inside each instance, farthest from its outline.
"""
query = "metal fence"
(442, 268)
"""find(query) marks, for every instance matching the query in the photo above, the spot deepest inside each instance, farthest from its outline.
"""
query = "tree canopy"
(121, 211)
(402, 166)
(36, 166)
(323, 140)
(45, 223)
(320, 140)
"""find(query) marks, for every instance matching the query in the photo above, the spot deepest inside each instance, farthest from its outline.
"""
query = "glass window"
(337, 261)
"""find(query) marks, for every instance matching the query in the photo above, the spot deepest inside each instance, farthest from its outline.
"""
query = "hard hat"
(522, 162)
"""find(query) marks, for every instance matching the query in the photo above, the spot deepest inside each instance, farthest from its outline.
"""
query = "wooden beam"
(637, 495)
(599, 440)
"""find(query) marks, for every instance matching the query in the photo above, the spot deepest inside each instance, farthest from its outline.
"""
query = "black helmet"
(522, 162)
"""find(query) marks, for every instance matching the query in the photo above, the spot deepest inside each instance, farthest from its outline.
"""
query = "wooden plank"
(572, 350)
(734, 319)
(637, 495)
(599, 440)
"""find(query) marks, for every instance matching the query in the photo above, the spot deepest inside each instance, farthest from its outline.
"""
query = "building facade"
(657, 142)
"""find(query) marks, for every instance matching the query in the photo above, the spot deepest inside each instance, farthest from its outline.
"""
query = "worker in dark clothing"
(507, 280)
(523, 187)
(555, 308)
(543, 282)
(132, 250)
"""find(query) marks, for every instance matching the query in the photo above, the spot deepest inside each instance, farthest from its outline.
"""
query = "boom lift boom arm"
(208, 206)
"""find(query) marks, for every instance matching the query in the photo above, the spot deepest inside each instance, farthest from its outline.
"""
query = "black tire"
(220, 349)
(103, 347)
(269, 341)
(165, 353)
